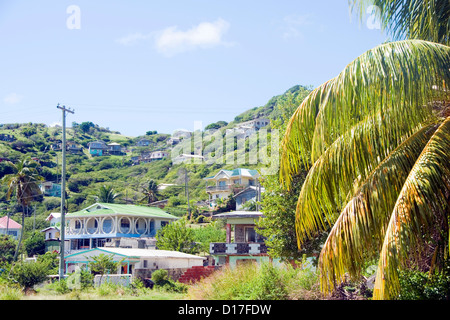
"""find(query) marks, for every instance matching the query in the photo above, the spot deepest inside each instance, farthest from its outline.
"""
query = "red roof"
(12, 224)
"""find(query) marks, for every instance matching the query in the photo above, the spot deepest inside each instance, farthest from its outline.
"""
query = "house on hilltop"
(227, 182)
(97, 148)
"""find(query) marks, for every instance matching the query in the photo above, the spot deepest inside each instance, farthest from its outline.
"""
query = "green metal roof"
(122, 209)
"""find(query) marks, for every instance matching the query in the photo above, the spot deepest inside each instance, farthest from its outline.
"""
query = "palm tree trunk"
(21, 234)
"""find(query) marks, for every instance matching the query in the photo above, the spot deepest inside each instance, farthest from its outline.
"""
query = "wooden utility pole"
(63, 190)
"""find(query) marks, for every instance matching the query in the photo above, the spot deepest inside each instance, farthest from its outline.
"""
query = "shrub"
(28, 274)
(417, 285)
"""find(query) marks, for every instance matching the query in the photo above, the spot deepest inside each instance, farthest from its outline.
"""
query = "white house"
(135, 261)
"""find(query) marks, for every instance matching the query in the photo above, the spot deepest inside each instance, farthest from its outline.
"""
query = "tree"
(107, 194)
(7, 245)
(150, 192)
(103, 263)
(24, 183)
(85, 126)
(376, 140)
(176, 236)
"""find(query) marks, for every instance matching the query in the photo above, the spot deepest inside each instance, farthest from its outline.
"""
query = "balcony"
(218, 188)
(237, 248)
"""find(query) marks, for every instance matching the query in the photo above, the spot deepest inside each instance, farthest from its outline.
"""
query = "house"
(53, 233)
(227, 182)
(247, 128)
(50, 189)
(10, 227)
(137, 262)
(72, 147)
(155, 155)
(101, 223)
(187, 158)
(143, 143)
(97, 148)
(114, 148)
(243, 243)
(251, 193)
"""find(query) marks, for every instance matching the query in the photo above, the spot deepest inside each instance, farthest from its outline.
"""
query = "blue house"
(50, 189)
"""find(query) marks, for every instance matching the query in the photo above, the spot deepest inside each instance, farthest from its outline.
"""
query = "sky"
(137, 66)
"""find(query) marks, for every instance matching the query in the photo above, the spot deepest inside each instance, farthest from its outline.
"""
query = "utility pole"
(63, 190)
(186, 178)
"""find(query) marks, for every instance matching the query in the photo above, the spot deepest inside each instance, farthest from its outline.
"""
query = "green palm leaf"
(424, 193)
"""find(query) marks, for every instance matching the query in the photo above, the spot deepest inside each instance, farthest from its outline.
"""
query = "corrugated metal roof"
(141, 253)
(122, 209)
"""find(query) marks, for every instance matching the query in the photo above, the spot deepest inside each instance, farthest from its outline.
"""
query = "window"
(250, 234)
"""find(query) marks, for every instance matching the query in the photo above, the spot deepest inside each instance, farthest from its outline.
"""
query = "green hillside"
(86, 174)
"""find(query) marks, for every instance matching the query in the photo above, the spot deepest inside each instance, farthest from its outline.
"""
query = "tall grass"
(257, 282)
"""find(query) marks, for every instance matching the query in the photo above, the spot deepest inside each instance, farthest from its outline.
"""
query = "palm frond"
(404, 77)
(359, 231)
(416, 19)
(424, 192)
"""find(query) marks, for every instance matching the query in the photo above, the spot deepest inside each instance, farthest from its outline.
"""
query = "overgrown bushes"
(252, 282)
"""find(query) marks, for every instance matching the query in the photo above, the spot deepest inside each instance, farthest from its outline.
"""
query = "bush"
(28, 274)
(162, 281)
(417, 285)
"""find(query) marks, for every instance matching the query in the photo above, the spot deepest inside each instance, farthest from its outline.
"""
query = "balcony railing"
(243, 248)
(218, 188)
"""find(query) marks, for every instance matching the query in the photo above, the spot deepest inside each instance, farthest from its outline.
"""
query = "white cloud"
(171, 41)
(12, 98)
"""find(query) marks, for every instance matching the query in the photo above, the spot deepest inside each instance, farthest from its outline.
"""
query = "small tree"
(103, 263)
(176, 236)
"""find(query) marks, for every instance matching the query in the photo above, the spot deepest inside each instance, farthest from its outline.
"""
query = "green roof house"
(103, 223)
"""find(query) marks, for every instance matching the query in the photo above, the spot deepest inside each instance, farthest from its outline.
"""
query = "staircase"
(196, 273)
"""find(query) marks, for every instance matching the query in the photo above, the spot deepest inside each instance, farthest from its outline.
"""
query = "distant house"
(188, 158)
(143, 143)
(245, 129)
(155, 155)
(251, 193)
(101, 223)
(10, 227)
(53, 233)
(7, 137)
(227, 182)
(97, 148)
(72, 147)
(114, 148)
(242, 245)
(50, 189)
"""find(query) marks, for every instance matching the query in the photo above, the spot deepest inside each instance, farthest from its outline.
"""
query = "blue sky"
(135, 66)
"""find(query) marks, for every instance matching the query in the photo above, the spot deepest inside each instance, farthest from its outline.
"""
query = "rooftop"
(237, 172)
(122, 209)
(10, 223)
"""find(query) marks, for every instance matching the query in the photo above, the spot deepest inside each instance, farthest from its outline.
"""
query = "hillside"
(86, 173)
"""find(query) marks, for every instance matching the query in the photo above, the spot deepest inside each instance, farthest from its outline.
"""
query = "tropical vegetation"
(376, 142)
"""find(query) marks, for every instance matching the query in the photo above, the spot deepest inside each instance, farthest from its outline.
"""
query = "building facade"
(243, 243)
(103, 223)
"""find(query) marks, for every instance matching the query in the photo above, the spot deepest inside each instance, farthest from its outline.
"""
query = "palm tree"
(376, 142)
(106, 194)
(24, 183)
(150, 192)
